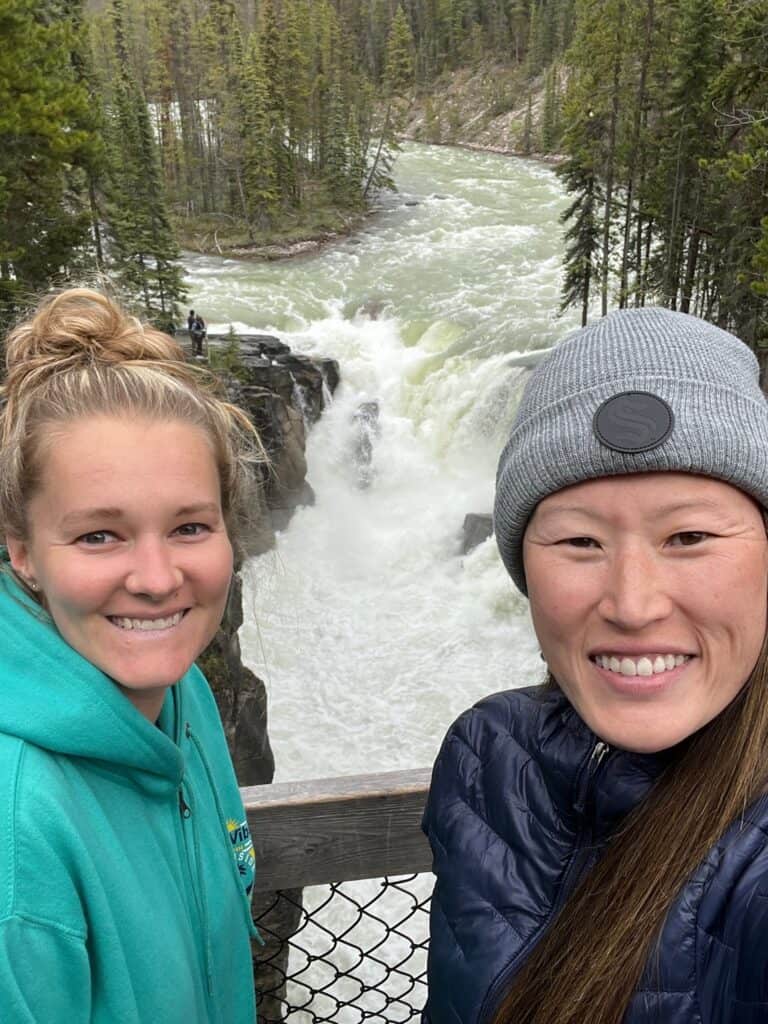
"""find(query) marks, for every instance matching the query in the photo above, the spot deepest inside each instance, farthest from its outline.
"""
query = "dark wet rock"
(262, 344)
(372, 308)
(284, 393)
(411, 202)
(365, 430)
(241, 697)
(477, 528)
(330, 371)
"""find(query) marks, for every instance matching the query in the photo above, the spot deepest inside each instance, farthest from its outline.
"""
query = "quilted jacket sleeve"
(751, 986)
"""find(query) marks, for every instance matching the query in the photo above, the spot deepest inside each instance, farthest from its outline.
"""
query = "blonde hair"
(80, 355)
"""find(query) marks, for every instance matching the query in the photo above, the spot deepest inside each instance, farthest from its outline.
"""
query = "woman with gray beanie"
(601, 841)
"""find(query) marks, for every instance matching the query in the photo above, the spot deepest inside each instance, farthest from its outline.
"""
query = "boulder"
(477, 528)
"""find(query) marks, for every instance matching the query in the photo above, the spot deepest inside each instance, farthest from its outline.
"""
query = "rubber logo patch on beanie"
(633, 421)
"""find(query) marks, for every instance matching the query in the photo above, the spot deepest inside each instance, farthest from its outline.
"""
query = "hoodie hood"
(53, 697)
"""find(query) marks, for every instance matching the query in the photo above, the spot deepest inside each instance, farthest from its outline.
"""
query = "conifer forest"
(125, 125)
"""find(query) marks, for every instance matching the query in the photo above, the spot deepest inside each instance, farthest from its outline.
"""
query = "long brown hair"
(587, 966)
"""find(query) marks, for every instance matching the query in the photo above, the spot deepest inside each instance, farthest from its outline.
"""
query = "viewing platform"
(356, 941)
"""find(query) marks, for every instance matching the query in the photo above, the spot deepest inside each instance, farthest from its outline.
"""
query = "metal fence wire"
(356, 952)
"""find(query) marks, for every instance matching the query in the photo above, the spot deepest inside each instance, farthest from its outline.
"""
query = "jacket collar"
(591, 784)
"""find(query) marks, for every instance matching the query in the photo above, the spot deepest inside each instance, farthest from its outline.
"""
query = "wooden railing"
(338, 829)
(328, 831)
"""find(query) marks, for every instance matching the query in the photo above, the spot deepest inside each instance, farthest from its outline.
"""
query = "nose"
(636, 590)
(153, 572)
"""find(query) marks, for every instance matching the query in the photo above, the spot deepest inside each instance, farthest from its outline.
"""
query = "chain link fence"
(356, 952)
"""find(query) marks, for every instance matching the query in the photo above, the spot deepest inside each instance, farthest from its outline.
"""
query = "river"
(370, 629)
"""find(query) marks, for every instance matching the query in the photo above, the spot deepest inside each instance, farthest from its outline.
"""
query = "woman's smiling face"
(127, 542)
(649, 596)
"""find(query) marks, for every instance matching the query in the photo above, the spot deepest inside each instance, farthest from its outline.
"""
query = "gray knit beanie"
(639, 391)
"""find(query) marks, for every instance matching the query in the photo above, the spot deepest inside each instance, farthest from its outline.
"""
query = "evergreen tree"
(145, 256)
(691, 137)
(47, 149)
(550, 122)
(528, 127)
(260, 170)
(583, 217)
(398, 73)
(336, 150)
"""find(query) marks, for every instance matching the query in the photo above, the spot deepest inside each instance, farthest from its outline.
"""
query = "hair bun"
(82, 325)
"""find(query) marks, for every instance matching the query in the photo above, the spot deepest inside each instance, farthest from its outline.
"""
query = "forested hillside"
(143, 124)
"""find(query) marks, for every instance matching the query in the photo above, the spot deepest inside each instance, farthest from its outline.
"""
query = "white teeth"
(648, 665)
(149, 624)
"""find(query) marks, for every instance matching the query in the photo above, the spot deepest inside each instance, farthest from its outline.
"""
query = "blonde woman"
(601, 842)
(125, 859)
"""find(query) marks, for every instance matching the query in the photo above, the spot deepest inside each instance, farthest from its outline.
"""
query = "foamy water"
(369, 627)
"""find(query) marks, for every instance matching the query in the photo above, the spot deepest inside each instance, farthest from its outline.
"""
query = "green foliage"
(48, 149)
(528, 127)
(260, 186)
(671, 164)
(432, 129)
(143, 250)
(550, 122)
(229, 356)
(252, 117)
(399, 65)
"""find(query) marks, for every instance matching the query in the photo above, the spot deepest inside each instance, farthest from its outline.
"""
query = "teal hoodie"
(125, 857)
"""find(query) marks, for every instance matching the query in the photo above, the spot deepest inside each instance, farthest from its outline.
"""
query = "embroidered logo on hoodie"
(242, 846)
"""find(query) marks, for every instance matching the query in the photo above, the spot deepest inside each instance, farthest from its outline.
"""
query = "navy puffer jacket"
(523, 797)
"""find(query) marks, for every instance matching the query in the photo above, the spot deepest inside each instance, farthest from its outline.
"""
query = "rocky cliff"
(284, 393)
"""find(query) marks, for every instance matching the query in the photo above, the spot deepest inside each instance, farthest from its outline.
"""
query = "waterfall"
(369, 626)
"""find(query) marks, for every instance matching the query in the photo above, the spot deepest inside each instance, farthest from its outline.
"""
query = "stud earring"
(33, 585)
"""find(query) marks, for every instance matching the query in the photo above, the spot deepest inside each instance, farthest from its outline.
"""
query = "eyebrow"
(684, 505)
(85, 515)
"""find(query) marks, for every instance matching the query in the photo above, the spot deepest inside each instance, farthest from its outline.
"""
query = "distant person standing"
(196, 327)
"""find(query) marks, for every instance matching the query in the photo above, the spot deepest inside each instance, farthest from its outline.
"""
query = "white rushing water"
(370, 629)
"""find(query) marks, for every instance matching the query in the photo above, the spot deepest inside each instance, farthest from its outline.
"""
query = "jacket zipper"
(571, 877)
(186, 812)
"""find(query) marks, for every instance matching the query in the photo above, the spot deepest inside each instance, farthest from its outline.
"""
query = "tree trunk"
(610, 170)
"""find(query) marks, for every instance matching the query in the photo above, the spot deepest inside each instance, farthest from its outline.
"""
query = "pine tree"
(690, 136)
(336, 149)
(399, 67)
(550, 121)
(582, 237)
(47, 149)
(355, 162)
(144, 253)
(260, 171)
(528, 127)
